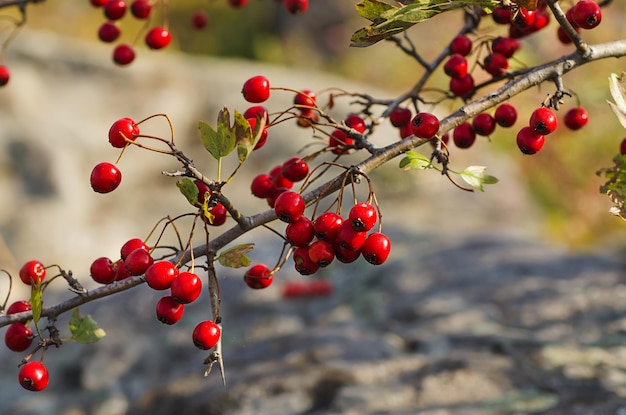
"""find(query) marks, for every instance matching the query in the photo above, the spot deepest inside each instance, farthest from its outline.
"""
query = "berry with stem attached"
(103, 270)
(33, 376)
(400, 117)
(132, 245)
(186, 288)
(586, 14)
(376, 248)
(300, 232)
(461, 44)
(206, 335)
(362, 217)
(122, 129)
(327, 225)
(321, 253)
(256, 89)
(105, 177)
(425, 125)
(158, 38)
(464, 135)
(529, 141)
(349, 238)
(32, 271)
(496, 64)
(109, 32)
(258, 276)
(123, 54)
(141, 9)
(289, 206)
(161, 274)
(295, 169)
(484, 124)
(303, 263)
(18, 337)
(262, 186)
(543, 120)
(462, 87)
(505, 115)
(456, 66)
(115, 9)
(169, 311)
(138, 261)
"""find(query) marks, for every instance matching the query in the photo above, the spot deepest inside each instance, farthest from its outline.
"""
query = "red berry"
(303, 263)
(256, 89)
(461, 44)
(296, 6)
(203, 191)
(158, 38)
(5, 75)
(456, 66)
(505, 115)
(543, 120)
(121, 273)
(295, 169)
(122, 129)
(186, 288)
(262, 186)
(462, 87)
(263, 138)
(33, 376)
(160, 275)
(501, 15)
(376, 248)
(257, 111)
(484, 124)
(278, 179)
(362, 217)
(306, 98)
(138, 262)
(32, 271)
(321, 253)
(169, 311)
(123, 54)
(220, 214)
(18, 337)
(276, 191)
(464, 135)
(400, 117)
(425, 125)
(576, 118)
(105, 177)
(340, 142)
(300, 232)
(109, 32)
(505, 46)
(529, 141)
(289, 206)
(346, 255)
(356, 122)
(586, 14)
(238, 3)
(199, 20)
(103, 271)
(131, 245)
(19, 307)
(115, 9)
(349, 238)
(563, 36)
(98, 3)
(141, 9)
(327, 225)
(206, 335)
(622, 147)
(524, 18)
(496, 64)
(258, 276)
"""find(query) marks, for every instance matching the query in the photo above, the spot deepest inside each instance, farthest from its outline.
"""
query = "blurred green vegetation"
(561, 177)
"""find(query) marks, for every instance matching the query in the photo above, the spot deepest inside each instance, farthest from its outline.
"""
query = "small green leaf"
(235, 257)
(36, 301)
(475, 176)
(415, 161)
(84, 329)
(222, 142)
(189, 189)
(372, 9)
(246, 138)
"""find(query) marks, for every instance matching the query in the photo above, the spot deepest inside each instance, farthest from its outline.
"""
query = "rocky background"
(472, 314)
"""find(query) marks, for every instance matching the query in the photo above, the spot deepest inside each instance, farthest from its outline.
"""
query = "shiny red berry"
(327, 225)
(276, 174)
(356, 122)
(505, 46)
(543, 120)
(346, 255)
(33, 376)
(138, 262)
(109, 32)
(132, 245)
(461, 44)
(295, 169)
(376, 248)
(206, 335)
(258, 276)
(306, 98)
(321, 253)
(141, 9)
(123, 54)
(529, 141)
(262, 186)
(303, 263)
(256, 89)
(464, 135)
(18, 337)
(484, 124)
(400, 117)
(296, 6)
(362, 217)
(32, 271)
(122, 129)
(160, 275)
(425, 125)
(300, 232)
(158, 38)
(340, 142)
(462, 87)
(115, 9)
(105, 177)
(121, 273)
(169, 311)
(496, 64)
(19, 307)
(576, 118)
(289, 206)
(219, 215)
(455, 66)
(103, 271)
(5, 75)
(586, 14)
(349, 238)
(257, 111)
(186, 288)
(505, 115)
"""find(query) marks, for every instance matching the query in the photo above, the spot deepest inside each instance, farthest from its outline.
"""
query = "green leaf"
(372, 9)
(246, 138)
(415, 161)
(222, 142)
(475, 176)
(235, 257)
(189, 189)
(84, 329)
(36, 301)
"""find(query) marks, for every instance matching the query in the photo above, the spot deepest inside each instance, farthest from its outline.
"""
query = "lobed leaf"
(235, 257)
(475, 176)
(84, 329)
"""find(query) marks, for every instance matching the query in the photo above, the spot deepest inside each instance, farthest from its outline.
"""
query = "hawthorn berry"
(563, 36)
(305, 98)
(19, 307)
(122, 129)
(262, 186)
(543, 120)
(158, 38)
(345, 255)
(349, 238)
(462, 87)
(33, 376)
(586, 14)
(622, 147)
(186, 288)
(206, 335)
(263, 139)
(258, 276)
(219, 215)
(425, 125)
(105, 177)
(138, 261)
(505, 46)
(523, 17)
(321, 253)
(169, 311)
(203, 191)
(32, 271)
(141, 9)
(303, 263)
(400, 117)
(529, 141)
(340, 142)
(484, 124)
(18, 337)
(576, 118)
(132, 245)
(295, 169)
(256, 89)
(160, 275)
(456, 66)
(376, 248)
(98, 3)
(123, 54)
(278, 179)
(296, 6)
(356, 122)
(199, 20)
(461, 44)
(103, 271)
(362, 217)
(505, 115)
(300, 232)
(464, 135)
(496, 64)
(276, 191)
(5, 75)
(257, 111)
(121, 273)
(115, 9)
(501, 15)
(327, 225)
(109, 32)
(289, 206)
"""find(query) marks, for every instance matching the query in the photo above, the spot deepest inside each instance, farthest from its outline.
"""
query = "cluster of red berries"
(279, 179)
(340, 142)
(522, 21)
(156, 37)
(586, 14)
